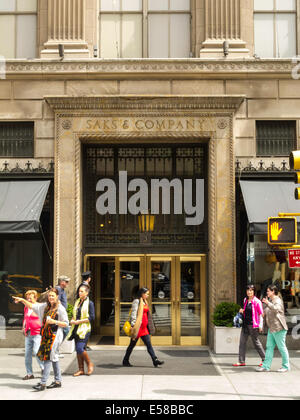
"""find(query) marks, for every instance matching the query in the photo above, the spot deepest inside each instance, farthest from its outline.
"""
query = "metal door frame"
(175, 298)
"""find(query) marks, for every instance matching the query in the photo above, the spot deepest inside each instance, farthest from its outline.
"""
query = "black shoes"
(157, 362)
(39, 387)
(54, 385)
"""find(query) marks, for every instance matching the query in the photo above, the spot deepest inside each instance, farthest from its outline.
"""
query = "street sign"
(282, 230)
(294, 258)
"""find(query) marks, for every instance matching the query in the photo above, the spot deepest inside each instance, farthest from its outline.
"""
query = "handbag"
(127, 326)
(238, 320)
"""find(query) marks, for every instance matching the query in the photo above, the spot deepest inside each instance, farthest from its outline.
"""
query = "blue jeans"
(32, 345)
(147, 341)
(273, 339)
(47, 369)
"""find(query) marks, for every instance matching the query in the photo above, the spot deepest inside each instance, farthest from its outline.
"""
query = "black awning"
(265, 199)
(21, 204)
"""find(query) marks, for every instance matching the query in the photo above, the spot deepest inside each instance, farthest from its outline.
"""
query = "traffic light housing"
(282, 231)
(295, 164)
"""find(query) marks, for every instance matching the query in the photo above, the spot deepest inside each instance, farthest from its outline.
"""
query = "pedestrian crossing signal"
(295, 164)
(282, 230)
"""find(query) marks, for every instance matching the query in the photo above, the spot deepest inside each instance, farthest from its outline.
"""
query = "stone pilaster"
(66, 25)
(223, 22)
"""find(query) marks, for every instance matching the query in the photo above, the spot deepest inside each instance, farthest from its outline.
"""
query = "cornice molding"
(149, 103)
(101, 68)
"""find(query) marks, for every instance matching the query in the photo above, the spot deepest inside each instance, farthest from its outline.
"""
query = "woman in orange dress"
(141, 327)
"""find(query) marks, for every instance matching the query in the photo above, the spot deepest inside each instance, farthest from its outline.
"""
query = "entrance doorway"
(177, 285)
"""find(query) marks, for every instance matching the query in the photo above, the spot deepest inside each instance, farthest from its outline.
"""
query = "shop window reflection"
(267, 267)
(21, 268)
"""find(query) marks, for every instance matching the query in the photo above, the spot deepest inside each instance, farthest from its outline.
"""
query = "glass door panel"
(191, 328)
(129, 280)
(161, 285)
(106, 291)
(129, 276)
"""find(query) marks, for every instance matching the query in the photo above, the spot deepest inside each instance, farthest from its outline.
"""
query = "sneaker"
(283, 370)
(239, 364)
(261, 369)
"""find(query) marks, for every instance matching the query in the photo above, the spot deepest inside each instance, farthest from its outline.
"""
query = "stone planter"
(67, 347)
(226, 340)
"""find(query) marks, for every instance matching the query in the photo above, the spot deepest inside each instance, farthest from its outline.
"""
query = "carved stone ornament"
(222, 124)
(66, 124)
(151, 66)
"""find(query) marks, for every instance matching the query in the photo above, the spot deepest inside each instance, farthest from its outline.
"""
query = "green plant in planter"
(224, 314)
(70, 311)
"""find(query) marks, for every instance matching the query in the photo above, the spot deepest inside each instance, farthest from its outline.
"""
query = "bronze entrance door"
(177, 285)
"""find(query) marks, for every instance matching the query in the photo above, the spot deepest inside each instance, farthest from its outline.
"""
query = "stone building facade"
(215, 96)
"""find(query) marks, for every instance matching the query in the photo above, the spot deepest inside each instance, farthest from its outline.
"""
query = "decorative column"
(66, 27)
(223, 23)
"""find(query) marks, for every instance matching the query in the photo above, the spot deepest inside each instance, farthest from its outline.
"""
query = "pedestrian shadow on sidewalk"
(21, 385)
(17, 354)
(9, 376)
(109, 366)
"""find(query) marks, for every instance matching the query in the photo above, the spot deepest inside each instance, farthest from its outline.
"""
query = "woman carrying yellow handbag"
(141, 327)
(127, 325)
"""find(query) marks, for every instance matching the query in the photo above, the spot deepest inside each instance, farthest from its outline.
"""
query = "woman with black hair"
(141, 327)
(252, 326)
(83, 315)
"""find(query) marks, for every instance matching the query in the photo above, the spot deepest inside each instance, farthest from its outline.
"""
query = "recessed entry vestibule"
(83, 122)
(178, 296)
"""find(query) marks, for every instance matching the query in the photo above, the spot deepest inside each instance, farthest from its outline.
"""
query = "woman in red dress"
(141, 327)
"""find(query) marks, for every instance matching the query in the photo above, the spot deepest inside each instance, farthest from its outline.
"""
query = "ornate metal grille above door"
(128, 232)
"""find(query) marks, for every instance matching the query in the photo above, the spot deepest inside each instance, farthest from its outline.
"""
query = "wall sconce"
(146, 222)
(146, 226)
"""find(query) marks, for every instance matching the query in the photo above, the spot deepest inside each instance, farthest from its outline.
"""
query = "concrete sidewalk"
(228, 384)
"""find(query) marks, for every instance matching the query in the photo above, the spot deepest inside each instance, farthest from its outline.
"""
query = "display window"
(21, 270)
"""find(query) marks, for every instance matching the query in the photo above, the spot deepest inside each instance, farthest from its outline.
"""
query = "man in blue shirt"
(63, 282)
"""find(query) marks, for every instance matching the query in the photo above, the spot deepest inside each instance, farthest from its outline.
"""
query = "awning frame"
(33, 226)
(259, 227)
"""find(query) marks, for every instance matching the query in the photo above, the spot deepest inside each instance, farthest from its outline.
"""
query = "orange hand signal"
(275, 231)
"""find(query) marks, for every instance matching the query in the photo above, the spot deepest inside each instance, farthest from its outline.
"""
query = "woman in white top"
(54, 319)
